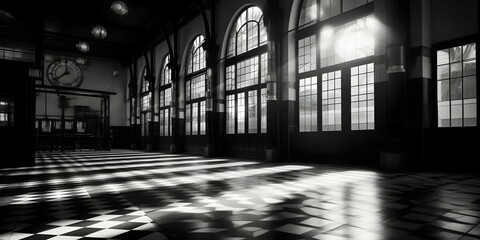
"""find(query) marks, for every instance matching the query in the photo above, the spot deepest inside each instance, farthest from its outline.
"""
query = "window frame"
(198, 101)
(447, 45)
(314, 29)
(234, 60)
(145, 113)
(166, 107)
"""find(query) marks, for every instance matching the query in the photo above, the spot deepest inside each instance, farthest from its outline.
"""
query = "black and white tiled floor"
(136, 195)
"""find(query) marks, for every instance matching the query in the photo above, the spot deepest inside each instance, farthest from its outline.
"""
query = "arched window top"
(308, 13)
(196, 59)
(166, 72)
(248, 33)
(145, 83)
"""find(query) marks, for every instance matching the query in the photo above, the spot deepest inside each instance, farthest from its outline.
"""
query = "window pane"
(443, 57)
(363, 97)
(455, 70)
(455, 54)
(470, 87)
(444, 114)
(162, 123)
(264, 70)
(308, 13)
(167, 72)
(469, 51)
(443, 90)
(470, 113)
(307, 54)
(252, 41)
(188, 119)
(354, 40)
(196, 87)
(247, 72)
(443, 72)
(252, 112)
(195, 118)
(470, 68)
(203, 118)
(348, 5)
(456, 113)
(325, 9)
(263, 111)
(241, 113)
(230, 78)
(331, 102)
(230, 114)
(308, 104)
(456, 89)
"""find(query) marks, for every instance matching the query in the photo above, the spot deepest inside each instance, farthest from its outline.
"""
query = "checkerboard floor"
(137, 195)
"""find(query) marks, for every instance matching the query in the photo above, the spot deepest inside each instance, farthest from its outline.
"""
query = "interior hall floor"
(136, 195)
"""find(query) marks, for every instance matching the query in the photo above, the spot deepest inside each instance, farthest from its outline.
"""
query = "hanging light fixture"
(81, 60)
(119, 8)
(99, 32)
(83, 46)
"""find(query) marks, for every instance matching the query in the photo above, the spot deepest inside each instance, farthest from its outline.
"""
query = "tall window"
(6, 113)
(328, 44)
(145, 98)
(195, 87)
(456, 86)
(363, 97)
(165, 99)
(246, 74)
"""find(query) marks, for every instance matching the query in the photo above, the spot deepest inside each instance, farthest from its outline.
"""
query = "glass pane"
(241, 113)
(443, 90)
(456, 113)
(443, 72)
(308, 14)
(444, 114)
(470, 68)
(348, 5)
(469, 51)
(456, 89)
(470, 87)
(324, 9)
(307, 54)
(455, 70)
(456, 54)
(443, 57)
(252, 112)
(470, 113)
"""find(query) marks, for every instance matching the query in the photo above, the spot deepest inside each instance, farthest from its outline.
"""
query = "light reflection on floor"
(136, 195)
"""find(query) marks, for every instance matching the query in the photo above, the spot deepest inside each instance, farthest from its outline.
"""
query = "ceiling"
(66, 22)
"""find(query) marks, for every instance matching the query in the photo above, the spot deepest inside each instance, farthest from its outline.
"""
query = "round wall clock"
(65, 73)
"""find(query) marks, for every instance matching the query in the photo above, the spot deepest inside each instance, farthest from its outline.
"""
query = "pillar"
(393, 156)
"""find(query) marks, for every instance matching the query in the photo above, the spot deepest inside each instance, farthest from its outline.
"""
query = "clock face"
(65, 73)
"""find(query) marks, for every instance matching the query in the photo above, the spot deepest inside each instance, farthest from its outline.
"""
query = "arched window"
(246, 71)
(145, 98)
(335, 51)
(165, 98)
(195, 87)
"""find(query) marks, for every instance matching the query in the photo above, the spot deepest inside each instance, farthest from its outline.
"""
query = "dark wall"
(195, 144)
(17, 146)
(453, 19)
(452, 149)
(335, 147)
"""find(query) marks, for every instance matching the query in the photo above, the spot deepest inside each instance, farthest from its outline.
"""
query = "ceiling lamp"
(83, 46)
(81, 60)
(99, 32)
(119, 8)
